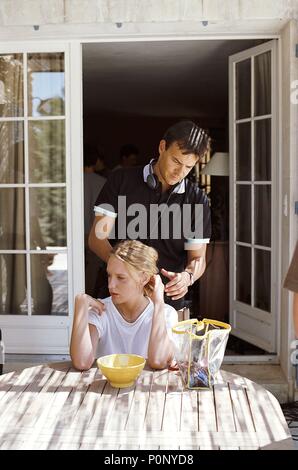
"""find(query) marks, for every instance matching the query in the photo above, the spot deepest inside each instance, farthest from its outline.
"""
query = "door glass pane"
(243, 89)
(11, 85)
(262, 280)
(263, 84)
(263, 215)
(263, 150)
(47, 151)
(243, 274)
(49, 284)
(46, 84)
(243, 213)
(13, 285)
(12, 152)
(47, 218)
(12, 219)
(243, 152)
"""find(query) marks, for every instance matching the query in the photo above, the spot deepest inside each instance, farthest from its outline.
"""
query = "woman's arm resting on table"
(84, 337)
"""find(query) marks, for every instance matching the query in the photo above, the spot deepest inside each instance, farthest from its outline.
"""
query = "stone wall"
(45, 12)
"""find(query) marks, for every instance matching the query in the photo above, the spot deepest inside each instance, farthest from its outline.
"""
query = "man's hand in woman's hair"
(91, 303)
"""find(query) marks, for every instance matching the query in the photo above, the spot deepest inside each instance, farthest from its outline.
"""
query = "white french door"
(36, 282)
(254, 217)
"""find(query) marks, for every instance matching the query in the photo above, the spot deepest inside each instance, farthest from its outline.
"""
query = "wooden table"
(56, 407)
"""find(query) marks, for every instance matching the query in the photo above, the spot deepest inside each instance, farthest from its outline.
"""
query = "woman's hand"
(91, 303)
(158, 289)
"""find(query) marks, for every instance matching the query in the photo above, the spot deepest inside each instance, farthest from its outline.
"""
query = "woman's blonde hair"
(139, 258)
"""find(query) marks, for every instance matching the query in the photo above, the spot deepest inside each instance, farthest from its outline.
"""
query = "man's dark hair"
(90, 155)
(128, 149)
(189, 136)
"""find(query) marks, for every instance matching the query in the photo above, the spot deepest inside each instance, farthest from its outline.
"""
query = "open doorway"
(132, 92)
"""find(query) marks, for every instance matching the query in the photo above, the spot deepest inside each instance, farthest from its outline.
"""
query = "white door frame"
(257, 318)
(271, 358)
(74, 142)
(37, 340)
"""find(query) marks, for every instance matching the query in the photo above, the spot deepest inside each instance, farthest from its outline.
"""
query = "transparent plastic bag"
(199, 350)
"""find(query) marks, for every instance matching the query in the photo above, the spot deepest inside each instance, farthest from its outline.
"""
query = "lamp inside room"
(218, 165)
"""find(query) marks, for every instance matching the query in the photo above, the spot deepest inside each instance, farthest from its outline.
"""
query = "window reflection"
(263, 215)
(263, 84)
(49, 284)
(12, 219)
(11, 85)
(243, 89)
(262, 277)
(13, 286)
(263, 150)
(243, 276)
(46, 84)
(47, 217)
(243, 151)
(243, 213)
(47, 151)
(12, 152)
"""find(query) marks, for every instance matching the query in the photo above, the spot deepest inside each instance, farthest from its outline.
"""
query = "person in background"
(128, 156)
(291, 283)
(93, 183)
(100, 167)
(133, 320)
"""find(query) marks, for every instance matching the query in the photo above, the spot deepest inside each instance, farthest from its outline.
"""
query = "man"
(161, 183)
(128, 156)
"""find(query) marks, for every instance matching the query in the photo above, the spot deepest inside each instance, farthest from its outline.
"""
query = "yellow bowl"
(121, 370)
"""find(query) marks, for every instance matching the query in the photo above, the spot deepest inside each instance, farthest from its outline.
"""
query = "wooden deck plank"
(18, 385)
(119, 417)
(206, 410)
(41, 405)
(155, 409)
(7, 381)
(95, 446)
(22, 397)
(223, 406)
(138, 410)
(89, 404)
(267, 415)
(173, 403)
(242, 414)
(76, 396)
(172, 411)
(204, 438)
(104, 408)
(58, 411)
(189, 411)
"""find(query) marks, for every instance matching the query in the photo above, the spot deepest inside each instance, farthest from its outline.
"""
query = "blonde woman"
(134, 319)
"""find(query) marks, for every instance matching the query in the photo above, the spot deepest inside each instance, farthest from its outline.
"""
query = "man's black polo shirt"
(148, 227)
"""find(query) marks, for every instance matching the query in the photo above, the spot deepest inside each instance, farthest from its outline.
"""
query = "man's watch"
(190, 277)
